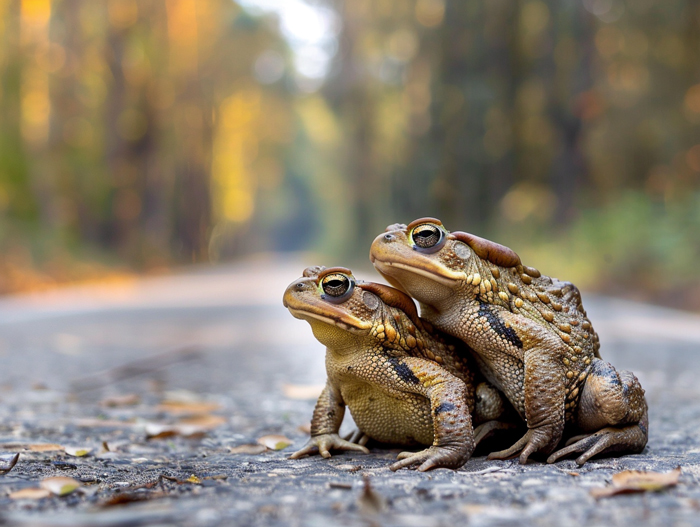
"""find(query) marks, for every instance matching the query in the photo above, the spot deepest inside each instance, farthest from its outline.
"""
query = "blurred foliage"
(139, 134)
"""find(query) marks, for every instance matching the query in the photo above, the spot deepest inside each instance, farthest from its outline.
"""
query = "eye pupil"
(336, 285)
(426, 236)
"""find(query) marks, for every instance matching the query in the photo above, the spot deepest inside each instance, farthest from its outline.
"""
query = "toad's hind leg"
(612, 414)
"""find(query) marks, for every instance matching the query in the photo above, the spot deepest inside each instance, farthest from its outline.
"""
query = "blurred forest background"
(137, 135)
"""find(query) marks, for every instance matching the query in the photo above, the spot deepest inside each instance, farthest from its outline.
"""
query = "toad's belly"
(397, 418)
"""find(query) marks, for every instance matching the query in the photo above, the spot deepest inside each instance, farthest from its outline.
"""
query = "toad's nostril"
(389, 237)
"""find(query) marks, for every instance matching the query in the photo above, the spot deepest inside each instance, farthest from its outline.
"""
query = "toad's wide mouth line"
(301, 313)
(445, 280)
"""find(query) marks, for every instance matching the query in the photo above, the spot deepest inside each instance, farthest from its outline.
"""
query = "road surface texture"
(209, 360)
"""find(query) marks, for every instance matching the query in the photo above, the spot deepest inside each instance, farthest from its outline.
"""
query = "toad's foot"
(358, 437)
(534, 440)
(322, 444)
(627, 439)
(433, 457)
(487, 429)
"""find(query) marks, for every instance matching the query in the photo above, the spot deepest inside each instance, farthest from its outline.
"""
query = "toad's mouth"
(348, 323)
(446, 277)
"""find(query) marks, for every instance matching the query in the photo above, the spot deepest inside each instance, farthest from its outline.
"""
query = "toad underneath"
(403, 382)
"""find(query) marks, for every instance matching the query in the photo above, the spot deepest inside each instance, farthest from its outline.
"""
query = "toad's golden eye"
(428, 236)
(336, 285)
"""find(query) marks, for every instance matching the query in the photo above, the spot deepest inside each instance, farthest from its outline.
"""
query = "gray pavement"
(221, 336)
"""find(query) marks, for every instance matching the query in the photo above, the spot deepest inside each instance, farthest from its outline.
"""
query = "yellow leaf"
(77, 451)
(194, 479)
(60, 485)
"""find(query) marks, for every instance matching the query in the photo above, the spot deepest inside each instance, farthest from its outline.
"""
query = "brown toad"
(530, 333)
(403, 382)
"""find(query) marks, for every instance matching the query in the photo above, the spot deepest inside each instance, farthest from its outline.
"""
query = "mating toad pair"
(493, 336)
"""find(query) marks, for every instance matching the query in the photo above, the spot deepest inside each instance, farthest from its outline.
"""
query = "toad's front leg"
(453, 442)
(545, 396)
(325, 423)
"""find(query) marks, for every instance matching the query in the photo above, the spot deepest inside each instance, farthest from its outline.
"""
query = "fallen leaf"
(202, 422)
(274, 442)
(637, 481)
(248, 449)
(302, 391)
(31, 447)
(77, 451)
(132, 497)
(339, 485)
(191, 480)
(129, 399)
(188, 427)
(7, 463)
(187, 408)
(60, 485)
(30, 494)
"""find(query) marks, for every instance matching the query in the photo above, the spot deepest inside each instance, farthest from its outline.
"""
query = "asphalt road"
(222, 337)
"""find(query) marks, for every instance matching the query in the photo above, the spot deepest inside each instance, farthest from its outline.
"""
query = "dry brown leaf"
(60, 485)
(203, 422)
(30, 494)
(274, 442)
(637, 481)
(31, 447)
(302, 391)
(248, 449)
(131, 497)
(45, 447)
(187, 408)
(129, 399)
(188, 427)
(7, 463)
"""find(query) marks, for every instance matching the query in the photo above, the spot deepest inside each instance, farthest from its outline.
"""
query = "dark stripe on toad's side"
(403, 371)
(509, 334)
(444, 407)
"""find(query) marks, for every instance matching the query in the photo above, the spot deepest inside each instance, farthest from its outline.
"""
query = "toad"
(403, 382)
(530, 333)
